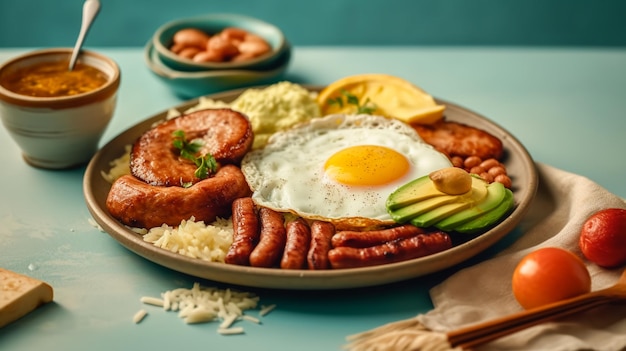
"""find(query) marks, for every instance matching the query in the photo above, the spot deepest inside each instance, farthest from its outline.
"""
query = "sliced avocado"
(405, 214)
(490, 217)
(402, 214)
(478, 194)
(495, 195)
(435, 215)
(417, 190)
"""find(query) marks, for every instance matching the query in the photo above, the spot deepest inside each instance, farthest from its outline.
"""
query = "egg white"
(288, 174)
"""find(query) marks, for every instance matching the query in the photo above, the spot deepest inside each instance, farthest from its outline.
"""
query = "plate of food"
(342, 196)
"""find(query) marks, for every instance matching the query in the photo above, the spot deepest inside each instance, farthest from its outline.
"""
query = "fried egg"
(339, 168)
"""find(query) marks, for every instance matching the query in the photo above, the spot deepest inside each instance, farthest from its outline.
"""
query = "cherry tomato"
(603, 238)
(549, 275)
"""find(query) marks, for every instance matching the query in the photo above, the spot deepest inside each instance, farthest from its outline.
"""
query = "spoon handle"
(488, 331)
(90, 10)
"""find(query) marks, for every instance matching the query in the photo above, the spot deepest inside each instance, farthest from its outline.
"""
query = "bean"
(188, 52)
(487, 177)
(457, 161)
(490, 163)
(208, 56)
(477, 170)
(472, 161)
(504, 179)
(191, 37)
(253, 47)
(496, 171)
(222, 46)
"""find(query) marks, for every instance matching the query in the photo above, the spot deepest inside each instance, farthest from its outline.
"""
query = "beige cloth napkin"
(483, 292)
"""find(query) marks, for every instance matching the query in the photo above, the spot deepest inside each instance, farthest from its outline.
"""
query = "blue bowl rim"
(174, 74)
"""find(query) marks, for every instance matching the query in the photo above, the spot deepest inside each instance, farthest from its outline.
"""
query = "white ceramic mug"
(59, 132)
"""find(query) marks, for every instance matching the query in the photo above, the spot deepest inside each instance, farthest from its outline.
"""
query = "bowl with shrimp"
(219, 42)
(189, 85)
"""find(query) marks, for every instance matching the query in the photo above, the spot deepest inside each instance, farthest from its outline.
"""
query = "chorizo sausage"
(271, 241)
(226, 135)
(245, 232)
(394, 251)
(374, 237)
(138, 204)
(297, 245)
(321, 236)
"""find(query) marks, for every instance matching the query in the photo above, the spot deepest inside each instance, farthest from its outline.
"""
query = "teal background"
(122, 23)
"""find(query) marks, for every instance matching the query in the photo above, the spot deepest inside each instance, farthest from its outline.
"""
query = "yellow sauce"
(54, 79)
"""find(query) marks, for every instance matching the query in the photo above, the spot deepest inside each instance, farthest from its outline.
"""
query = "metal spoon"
(90, 10)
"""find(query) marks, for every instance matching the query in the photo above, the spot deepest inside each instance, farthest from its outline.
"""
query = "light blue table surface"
(567, 106)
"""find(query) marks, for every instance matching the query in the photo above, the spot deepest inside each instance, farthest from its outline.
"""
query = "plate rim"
(275, 278)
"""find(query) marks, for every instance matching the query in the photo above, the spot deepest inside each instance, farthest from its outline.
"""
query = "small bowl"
(189, 85)
(60, 131)
(214, 23)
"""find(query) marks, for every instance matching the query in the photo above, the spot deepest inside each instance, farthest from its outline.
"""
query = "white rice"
(139, 316)
(155, 301)
(266, 309)
(193, 239)
(205, 304)
(231, 331)
(119, 167)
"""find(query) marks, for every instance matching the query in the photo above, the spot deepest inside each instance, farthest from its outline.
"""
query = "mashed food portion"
(276, 107)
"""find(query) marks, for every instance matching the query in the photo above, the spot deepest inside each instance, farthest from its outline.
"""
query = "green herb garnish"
(207, 164)
(366, 108)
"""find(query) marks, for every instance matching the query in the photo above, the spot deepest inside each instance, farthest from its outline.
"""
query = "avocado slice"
(405, 214)
(417, 190)
(495, 195)
(402, 214)
(479, 193)
(490, 217)
(435, 215)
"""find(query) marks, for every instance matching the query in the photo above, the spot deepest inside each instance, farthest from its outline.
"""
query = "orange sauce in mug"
(54, 79)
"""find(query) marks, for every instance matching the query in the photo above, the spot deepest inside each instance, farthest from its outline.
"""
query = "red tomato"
(549, 275)
(603, 238)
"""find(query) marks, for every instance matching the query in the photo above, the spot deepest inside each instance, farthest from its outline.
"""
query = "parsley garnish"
(207, 164)
(366, 108)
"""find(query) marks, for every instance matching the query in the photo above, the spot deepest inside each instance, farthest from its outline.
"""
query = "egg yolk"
(366, 165)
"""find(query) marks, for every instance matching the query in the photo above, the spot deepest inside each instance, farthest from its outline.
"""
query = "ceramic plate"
(520, 168)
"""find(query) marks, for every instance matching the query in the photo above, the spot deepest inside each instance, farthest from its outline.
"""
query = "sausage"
(297, 245)
(225, 134)
(245, 232)
(271, 241)
(138, 204)
(394, 251)
(374, 237)
(321, 236)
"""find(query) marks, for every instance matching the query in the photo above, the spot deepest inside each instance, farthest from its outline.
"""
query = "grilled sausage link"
(272, 239)
(394, 251)
(138, 204)
(297, 246)
(245, 232)
(374, 237)
(321, 236)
